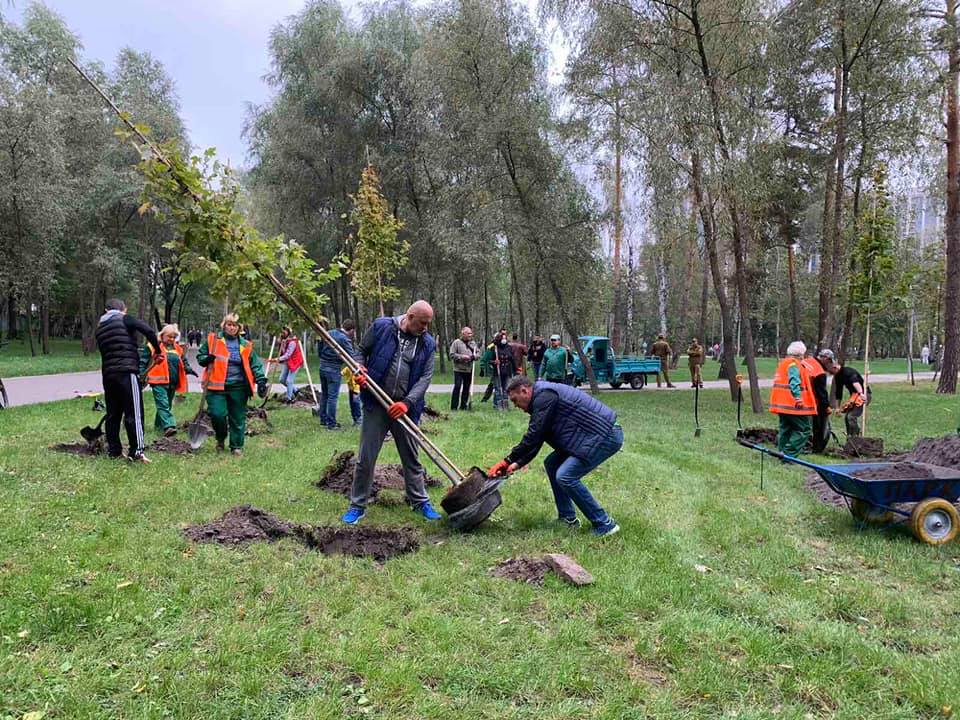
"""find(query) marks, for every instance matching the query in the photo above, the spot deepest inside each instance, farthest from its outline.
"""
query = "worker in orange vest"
(166, 377)
(793, 401)
(233, 373)
(818, 383)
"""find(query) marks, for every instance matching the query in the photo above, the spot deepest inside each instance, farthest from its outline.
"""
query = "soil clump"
(758, 435)
(530, 570)
(170, 445)
(363, 541)
(894, 471)
(434, 414)
(81, 448)
(337, 477)
(466, 493)
(943, 451)
(241, 524)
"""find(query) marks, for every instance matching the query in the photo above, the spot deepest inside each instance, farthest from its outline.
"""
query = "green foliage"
(214, 242)
(378, 254)
(872, 286)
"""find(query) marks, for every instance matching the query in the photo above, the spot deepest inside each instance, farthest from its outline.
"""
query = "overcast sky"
(215, 50)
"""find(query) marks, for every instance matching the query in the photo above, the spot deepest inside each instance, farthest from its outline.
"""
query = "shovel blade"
(197, 434)
(90, 434)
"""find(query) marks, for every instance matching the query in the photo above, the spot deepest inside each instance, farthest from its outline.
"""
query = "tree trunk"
(12, 317)
(45, 325)
(794, 305)
(710, 242)
(704, 296)
(616, 334)
(951, 315)
(685, 290)
(33, 349)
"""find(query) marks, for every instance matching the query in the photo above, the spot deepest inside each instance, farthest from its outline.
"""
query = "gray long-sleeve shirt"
(397, 379)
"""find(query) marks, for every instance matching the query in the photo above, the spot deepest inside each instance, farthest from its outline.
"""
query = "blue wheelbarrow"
(933, 518)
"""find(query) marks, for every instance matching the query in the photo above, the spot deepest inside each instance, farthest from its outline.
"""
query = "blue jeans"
(565, 472)
(356, 407)
(286, 378)
(329, 394)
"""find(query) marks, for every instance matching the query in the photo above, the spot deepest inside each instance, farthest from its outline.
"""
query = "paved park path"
(47, 388)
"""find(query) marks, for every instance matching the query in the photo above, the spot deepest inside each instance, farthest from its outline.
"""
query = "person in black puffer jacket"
(120, 360)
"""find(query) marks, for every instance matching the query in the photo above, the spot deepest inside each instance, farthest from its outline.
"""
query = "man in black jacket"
(847, 377)
(119, 354)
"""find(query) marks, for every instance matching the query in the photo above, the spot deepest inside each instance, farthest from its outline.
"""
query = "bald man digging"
(398, 355)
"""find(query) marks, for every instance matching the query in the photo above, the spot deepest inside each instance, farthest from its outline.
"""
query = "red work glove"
(500, 469)
(397, 409)
(360, 377)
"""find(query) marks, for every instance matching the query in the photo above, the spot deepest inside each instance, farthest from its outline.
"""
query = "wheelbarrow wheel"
(868, 513)
(935, 521)
(636, 381)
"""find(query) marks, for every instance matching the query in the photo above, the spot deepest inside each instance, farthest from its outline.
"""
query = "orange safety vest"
(159, 374)
(782, 401)
(813, 367)
(215, 374)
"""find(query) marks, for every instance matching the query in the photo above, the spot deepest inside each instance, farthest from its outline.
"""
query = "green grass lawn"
(65, 356)
(716, 600)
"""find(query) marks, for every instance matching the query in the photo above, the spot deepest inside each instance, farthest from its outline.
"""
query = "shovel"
(92, 434)
(696, 409)
(197, 432)
(267, 372)
(316, 404)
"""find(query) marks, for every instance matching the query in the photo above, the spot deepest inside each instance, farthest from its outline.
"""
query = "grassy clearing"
(793, 612)
(65, 356)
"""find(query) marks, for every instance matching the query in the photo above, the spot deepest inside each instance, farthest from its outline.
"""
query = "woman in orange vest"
(793, 401)
(233, 372)
(167, 377)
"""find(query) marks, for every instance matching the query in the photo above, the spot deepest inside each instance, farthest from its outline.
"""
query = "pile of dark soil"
(815, 484)
(466, 493)
(363, 541)
(759, 435)
(241, 524)
(894, 471)
(258, 423)
(434, 414)
(863, 447)
(81, 448)
(337, 477)
(530, 570)
(170, 445)
(943, 451)
(305, 395)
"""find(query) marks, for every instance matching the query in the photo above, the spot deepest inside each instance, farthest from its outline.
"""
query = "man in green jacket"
(556, 361)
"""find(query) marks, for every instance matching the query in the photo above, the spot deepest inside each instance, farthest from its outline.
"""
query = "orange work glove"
(499, 470)
(397, 409)
(360, 376)
(857, 400)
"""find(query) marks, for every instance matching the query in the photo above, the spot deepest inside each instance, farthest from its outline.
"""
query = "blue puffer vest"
(385, 352)
(580, 423)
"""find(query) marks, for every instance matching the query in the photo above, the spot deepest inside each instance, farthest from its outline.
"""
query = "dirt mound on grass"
(944, 451)
(81, 448)
(246, 523)
(759, 435)
(241, 524)
(530, 570)
(170, 445)
(894, 471)
(337, 477)
(434, 414)
(363, 541)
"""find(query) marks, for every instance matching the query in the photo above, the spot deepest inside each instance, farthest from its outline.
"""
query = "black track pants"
(121, 393)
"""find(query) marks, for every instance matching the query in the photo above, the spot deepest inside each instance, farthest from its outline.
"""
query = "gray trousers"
(374, 429)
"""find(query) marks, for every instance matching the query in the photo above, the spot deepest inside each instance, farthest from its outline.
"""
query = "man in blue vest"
(583, 433)
(398, 355)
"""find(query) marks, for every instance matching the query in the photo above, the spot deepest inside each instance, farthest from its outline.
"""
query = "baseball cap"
(554, 337)
(827, 353)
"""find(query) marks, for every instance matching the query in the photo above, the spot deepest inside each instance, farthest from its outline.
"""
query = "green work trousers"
(228, 412)
(163, 398)
(794, 434)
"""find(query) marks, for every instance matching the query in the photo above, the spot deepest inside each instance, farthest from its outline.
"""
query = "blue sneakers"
(605, 531)
(426, 509)
(353, 515)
